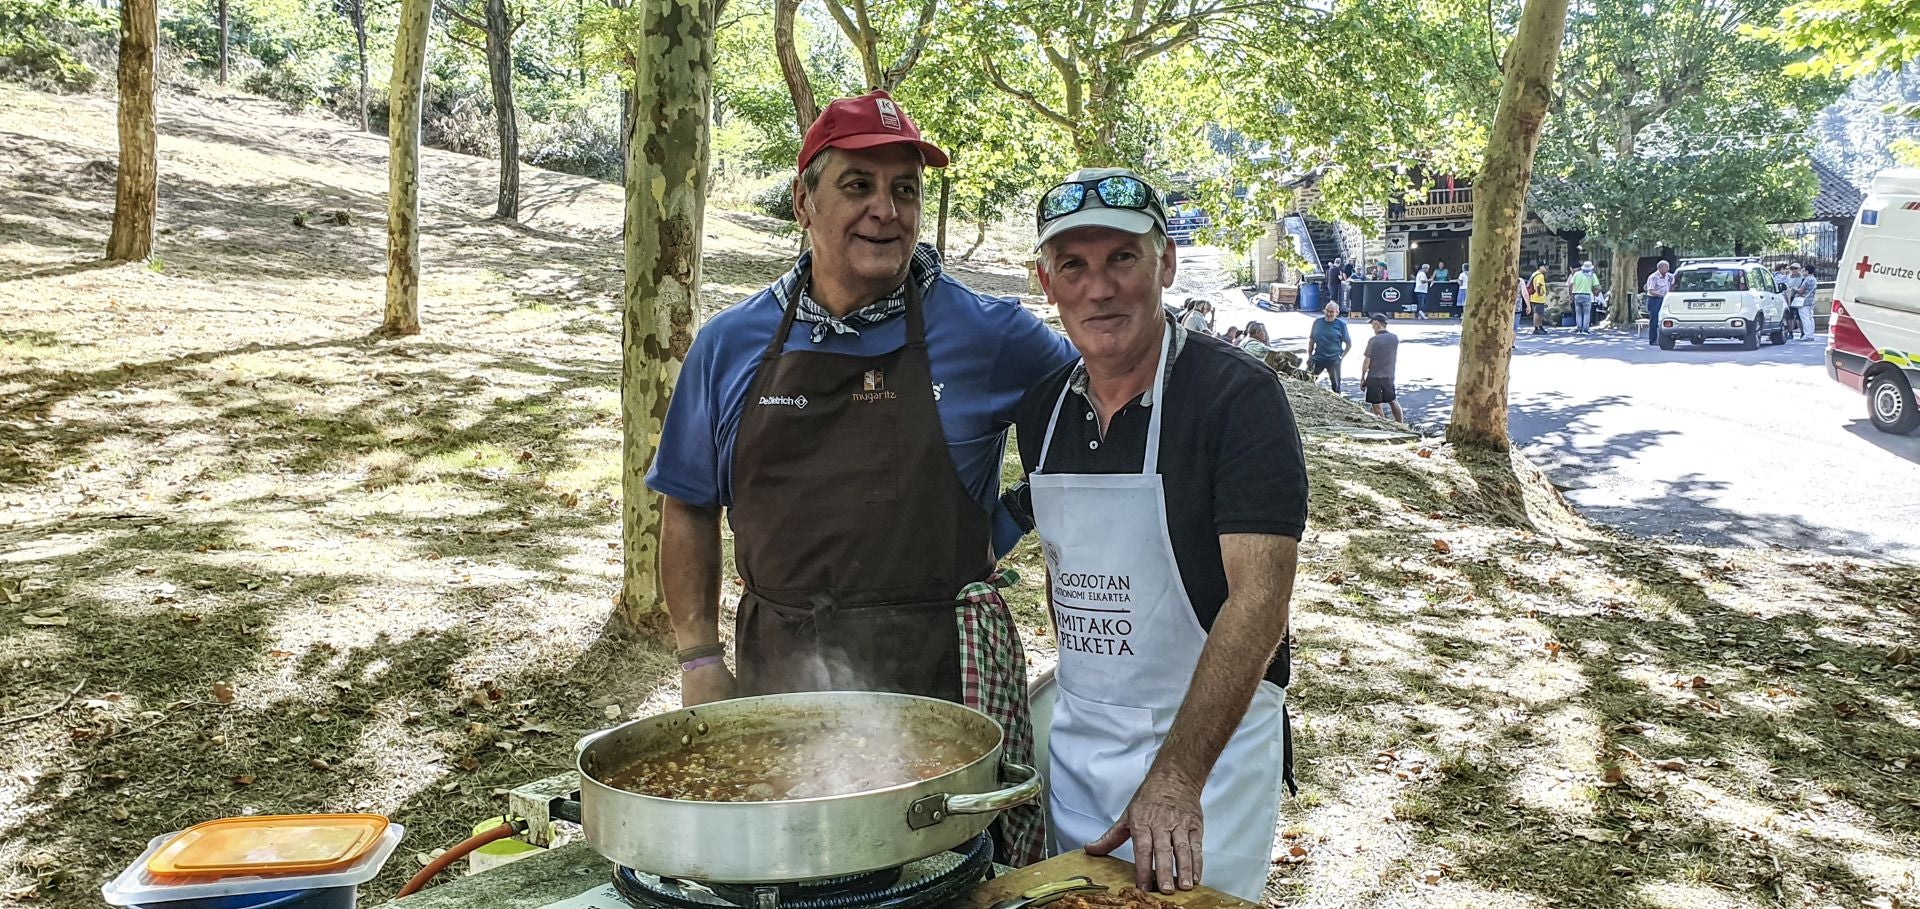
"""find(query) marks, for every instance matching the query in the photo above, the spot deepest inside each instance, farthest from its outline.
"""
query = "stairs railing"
(1296, 228)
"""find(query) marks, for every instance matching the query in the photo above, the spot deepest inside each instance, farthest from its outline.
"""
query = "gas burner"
(931, 881)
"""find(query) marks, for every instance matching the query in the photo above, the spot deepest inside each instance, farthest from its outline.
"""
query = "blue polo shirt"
(985, 352)
(1330, 339)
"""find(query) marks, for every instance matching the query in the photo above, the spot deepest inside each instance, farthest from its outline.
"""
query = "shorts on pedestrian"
(1379, 391)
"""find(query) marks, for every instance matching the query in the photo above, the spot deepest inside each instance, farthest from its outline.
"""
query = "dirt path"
(281, 567)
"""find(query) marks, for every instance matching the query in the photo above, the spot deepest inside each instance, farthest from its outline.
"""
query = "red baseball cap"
(870, 120)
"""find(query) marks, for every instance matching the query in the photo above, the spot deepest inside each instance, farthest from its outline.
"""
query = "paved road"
(1712, 444)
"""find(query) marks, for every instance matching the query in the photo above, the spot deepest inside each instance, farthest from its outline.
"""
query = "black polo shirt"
(1230, 457)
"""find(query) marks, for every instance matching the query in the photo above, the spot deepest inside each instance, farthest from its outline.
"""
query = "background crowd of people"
(1328, 344)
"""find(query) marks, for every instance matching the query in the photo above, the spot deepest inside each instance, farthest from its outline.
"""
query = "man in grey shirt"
(1376, 370)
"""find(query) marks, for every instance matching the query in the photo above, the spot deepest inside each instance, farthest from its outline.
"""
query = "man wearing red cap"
(857, 453)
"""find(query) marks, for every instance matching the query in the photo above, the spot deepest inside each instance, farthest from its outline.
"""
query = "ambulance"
(1873, 345)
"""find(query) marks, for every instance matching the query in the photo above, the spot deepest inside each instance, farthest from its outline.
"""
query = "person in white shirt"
(1255, 340)
(1198, 316)
(1422, 282)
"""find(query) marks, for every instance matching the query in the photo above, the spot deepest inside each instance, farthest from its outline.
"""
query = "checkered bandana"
(925, 268)
(993, 680)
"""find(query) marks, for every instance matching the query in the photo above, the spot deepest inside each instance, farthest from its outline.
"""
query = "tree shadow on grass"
(1772, 777)
(61, 271)
(1694, 508)
(385, 722)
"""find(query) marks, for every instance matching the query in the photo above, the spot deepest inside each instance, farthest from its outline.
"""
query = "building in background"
(1406, 233)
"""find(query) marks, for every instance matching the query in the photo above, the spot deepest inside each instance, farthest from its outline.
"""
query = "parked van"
(1873, 344)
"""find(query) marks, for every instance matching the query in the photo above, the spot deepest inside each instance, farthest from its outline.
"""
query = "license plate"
(1701, 304)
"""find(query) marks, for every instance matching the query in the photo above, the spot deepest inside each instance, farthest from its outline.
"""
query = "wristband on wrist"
(688, 654)
(691, 665)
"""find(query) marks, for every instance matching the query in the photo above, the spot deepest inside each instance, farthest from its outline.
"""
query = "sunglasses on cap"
(1117, 191)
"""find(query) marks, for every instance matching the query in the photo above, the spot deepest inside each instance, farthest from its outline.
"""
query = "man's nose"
(1101, 284)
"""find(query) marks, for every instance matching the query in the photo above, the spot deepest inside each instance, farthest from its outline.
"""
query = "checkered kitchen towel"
(993, 680)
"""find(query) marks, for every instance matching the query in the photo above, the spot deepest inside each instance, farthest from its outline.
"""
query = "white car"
(1723, 298)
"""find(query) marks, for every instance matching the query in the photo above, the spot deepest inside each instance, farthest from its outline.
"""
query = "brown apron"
(851, 529)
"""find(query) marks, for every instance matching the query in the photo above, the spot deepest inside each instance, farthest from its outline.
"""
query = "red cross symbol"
(1865, 265)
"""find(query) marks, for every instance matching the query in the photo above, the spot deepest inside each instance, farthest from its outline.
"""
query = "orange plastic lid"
(278, 844)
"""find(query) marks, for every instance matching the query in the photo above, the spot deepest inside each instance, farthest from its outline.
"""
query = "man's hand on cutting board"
(1164, 822)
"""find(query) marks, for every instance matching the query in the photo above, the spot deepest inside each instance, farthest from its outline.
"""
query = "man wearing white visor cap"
(1169, 491)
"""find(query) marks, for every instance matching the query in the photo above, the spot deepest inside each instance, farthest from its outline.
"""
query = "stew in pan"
(790, 763)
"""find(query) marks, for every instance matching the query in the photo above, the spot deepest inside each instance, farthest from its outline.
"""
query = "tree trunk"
(626, 132)
(224, 33)
(580, 44)
(665, 208)
(135, 192)
(979, 238)
(403, 168)
(500, 72)
(1623, 285)
(916, 44)
(799, 87)
(946, 198)
(360, 48)
(1500, 193)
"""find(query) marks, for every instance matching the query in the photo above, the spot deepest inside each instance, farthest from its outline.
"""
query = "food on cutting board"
(789, 763)
(1127, 898)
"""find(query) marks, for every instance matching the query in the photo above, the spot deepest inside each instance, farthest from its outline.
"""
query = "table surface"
(567, 871)
(1102, 870)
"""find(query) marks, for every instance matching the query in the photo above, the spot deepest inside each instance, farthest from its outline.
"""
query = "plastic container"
(136, 887)
(325, 898)
(274, 844)
(1311, 292)
(498, 852)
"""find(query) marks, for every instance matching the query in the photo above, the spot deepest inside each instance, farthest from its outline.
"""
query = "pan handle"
(586, 741)
(933, 809)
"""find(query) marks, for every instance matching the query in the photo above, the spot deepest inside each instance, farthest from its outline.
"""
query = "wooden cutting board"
(1103, 870)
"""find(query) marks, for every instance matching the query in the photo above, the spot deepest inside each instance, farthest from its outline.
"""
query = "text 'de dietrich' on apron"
(1129, 643)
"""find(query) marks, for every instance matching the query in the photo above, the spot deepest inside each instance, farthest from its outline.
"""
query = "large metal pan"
(796, 839)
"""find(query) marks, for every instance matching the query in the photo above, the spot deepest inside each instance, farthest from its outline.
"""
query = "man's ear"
(1170, 264)
(1040, 271)
(802, 214)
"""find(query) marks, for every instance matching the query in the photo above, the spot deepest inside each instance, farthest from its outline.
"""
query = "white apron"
(1129, 643)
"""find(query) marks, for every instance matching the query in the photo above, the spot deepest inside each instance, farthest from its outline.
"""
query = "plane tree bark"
(666, 191)
(498, 24)
(1500, 197)
(403, 168)
(136, 190)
